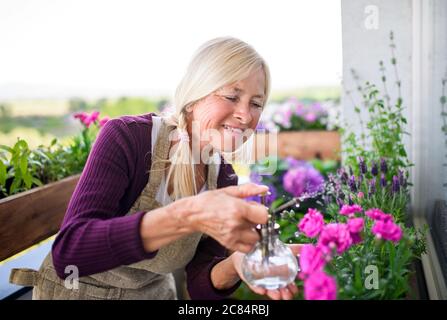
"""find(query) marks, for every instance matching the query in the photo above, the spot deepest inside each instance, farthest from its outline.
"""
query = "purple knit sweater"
(97, 236)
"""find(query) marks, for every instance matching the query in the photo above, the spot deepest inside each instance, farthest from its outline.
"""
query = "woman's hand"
(285, 293)
(224, 215)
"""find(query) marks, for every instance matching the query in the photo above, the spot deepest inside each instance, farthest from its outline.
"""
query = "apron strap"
(161, 154)
(24, 277)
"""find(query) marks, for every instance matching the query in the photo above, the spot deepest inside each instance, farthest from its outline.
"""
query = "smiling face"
(228, 116)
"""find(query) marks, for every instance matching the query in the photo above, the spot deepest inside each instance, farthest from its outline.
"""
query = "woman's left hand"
(285, 293)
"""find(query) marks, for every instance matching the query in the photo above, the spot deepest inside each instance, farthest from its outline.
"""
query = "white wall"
(420, 33)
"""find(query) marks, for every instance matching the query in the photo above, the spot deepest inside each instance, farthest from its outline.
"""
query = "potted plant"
(36, 186)
(306, 130)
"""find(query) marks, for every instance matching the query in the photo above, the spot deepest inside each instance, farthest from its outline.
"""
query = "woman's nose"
(243, 114)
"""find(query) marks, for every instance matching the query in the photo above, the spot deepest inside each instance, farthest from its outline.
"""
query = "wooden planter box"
(302, 145)
(34, 215)
(308, 145)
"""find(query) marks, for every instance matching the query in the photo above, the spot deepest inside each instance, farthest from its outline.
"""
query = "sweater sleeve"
(209, 252)
(95, 236)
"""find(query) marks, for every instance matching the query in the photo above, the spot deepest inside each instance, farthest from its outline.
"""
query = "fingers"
(255, 213)
(258, 290)
(274, 294)
(293, 288)
(286, 294)
(245, 190)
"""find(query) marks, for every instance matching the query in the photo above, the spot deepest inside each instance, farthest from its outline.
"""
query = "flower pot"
(29, 217)
(308, 145)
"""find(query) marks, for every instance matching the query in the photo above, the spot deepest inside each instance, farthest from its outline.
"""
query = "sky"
(134, 47)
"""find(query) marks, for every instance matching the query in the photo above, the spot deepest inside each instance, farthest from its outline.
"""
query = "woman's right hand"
(224, 215)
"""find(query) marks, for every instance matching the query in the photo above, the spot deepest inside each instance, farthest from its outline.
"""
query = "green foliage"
(22, 169)
(382, 135)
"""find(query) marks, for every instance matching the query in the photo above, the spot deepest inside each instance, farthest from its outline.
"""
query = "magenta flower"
(91, 118)
(87, 119)
(310, 117)
(311, 260)
(302, 179)
(387, 230)
(377, 214)
(335, 236)
(350, 210)
(312, 223)
(81, 116)
(103, 121)
(320, 286)
(355, 227)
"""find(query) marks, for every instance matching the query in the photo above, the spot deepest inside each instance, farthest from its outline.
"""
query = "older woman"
(156, 195)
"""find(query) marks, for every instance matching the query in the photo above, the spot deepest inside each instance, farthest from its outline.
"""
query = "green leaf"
(27, 178)
(2, 173)
(15, 185)
(37, 182)
(9, 149)
(24, 165)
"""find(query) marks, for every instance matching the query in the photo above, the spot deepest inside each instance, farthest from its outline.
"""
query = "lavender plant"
(381, 136)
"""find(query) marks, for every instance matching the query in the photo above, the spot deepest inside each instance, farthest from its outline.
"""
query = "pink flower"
(377, 214)
(310, 117)
(81, 116)
(320, 286)
(103, 121)
(360, 195)
(312, 223)
(335, 236)
(387, 230)
(355, 227)
(348, 210)
(311, 260)
(91, 118)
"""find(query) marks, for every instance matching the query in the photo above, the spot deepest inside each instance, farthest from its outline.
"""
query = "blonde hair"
(216, 63)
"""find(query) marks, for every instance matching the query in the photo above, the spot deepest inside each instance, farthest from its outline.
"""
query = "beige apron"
(147, 279)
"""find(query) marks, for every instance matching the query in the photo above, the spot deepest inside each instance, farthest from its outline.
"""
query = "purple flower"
(382, 180)
(359, 181)
(268, 199)
(396, 185)
(383, 165)
(402, 179)
(352, 184)
(372, 186)
(312, 223)
(292, 162)
(362, 165)
(255, 177)
(302, 179)
(374, 169)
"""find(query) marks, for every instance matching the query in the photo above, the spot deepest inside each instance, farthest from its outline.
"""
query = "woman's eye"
(231, 98)
(257, 105)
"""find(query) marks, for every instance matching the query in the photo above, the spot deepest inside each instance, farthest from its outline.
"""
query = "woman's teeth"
(232, 129)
